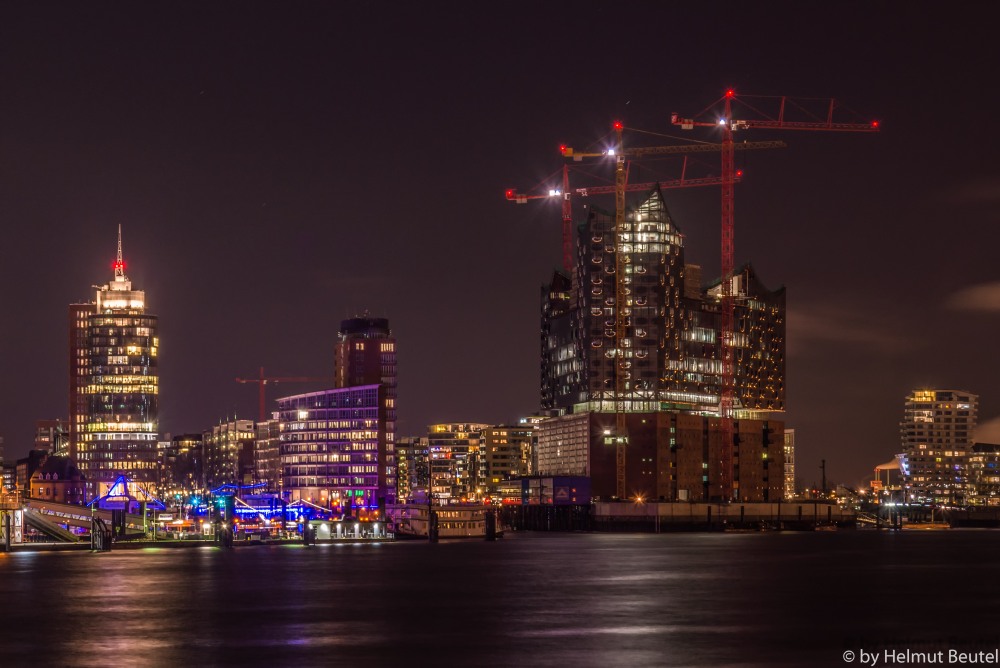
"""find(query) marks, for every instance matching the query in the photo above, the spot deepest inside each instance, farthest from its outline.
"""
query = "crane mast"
(622, 259)
(622, 380)
(727, 395)
(623, 240)
(622, 232)
(728, 315)
(567, 223)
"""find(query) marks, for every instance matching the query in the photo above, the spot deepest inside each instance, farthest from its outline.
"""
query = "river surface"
(531, 599)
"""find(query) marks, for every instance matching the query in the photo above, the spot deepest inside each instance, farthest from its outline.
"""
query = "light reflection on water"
(530, 599)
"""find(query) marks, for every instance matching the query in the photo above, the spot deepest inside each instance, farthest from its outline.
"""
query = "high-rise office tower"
(114, 385)
(365, 354)
(937, 436)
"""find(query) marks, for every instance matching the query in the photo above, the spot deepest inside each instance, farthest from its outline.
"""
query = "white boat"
(466, 520)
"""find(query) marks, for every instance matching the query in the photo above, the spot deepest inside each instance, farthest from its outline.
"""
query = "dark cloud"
(811, 328)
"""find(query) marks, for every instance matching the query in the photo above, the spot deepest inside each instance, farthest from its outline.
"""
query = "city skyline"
(275, 174)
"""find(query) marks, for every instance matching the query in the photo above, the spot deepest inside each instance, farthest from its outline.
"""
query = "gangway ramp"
(37, 521)
(79, 516)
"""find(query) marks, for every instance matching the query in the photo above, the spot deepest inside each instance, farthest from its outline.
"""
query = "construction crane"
(566, 194)
(729, 125)
(263, 381)
(620, 153)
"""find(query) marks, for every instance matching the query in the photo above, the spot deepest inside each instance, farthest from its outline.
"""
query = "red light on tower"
(510, 193)
(739, 172)
(618, 125)
(730, 92)
(875, 124)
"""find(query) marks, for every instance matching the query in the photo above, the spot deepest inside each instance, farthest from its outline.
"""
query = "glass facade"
(670, 349)
(334, 446)
(118, 431)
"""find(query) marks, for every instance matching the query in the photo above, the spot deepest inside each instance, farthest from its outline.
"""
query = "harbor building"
(672, 367)
(673, 456)
(789, 464)
(672, 351)
(456, 462)
(58, 479)
(365, 354)
(334, 446)
(182, 468)
(114, 385)
(936, 433)
(984, 474)
(267, 455)
(506, 453)
(413, 470)
(229, 453)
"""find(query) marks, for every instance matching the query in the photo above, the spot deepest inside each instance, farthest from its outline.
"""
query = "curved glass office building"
(118, 430)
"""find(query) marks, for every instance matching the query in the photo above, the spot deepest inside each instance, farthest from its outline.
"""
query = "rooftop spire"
(119, 262)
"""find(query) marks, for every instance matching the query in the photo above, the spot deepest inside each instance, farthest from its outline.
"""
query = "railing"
(9, 501)
(868, 518)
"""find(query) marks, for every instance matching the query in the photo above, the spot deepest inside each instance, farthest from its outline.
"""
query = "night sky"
(278, 167)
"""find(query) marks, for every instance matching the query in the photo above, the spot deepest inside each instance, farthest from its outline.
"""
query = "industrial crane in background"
(566, 195)
(729, 125)
(620, 438)
(263, 381)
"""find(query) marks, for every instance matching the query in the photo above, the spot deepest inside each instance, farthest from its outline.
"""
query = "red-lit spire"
(119, 262)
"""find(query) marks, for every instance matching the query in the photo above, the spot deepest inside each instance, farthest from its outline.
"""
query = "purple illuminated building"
(335, 448)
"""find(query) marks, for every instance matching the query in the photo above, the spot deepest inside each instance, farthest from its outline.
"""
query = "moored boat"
(412, 520)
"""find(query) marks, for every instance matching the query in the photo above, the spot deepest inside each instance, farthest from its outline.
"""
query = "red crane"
(566, 193)
(728, 125)
(622, 320)
(567, 204)
(263, 380)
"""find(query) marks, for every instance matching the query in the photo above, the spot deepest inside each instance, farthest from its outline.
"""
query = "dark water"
(528, 600)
